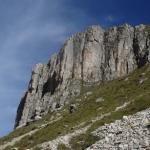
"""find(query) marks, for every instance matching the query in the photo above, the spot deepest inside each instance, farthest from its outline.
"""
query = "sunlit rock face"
(92, 56)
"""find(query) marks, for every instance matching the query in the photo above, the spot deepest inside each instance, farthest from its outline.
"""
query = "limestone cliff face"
(92, 56)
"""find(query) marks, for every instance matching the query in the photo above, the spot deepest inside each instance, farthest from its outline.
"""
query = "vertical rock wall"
(92, 56)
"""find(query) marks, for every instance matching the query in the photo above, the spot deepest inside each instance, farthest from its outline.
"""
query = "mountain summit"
(86, 58)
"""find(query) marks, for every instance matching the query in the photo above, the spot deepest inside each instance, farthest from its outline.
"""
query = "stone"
(38, 117)
(100, 108)
(100, 99)
(106, 139)
(78, 100)
(146, 122)
(73, 108)
(66, 126)
(125, 118)
(141, 81)
(88, 93)
(135, 143)
(126, 79)
(121, 146)
(145, 142)
(110, 135)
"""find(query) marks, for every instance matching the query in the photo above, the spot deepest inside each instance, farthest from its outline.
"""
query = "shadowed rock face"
(92, 56)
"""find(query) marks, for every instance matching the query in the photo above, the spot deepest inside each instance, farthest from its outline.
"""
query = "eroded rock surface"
(92, 56)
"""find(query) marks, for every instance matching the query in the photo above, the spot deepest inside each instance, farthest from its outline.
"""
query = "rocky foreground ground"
(130, 133)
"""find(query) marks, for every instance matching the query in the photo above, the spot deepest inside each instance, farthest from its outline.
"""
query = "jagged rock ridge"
(89, 57)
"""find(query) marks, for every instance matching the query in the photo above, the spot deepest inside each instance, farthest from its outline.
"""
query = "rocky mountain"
(94, 94)
(88, 58)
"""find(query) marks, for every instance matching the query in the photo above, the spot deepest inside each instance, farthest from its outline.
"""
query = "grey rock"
(88, 93)
(125, 118)
(73, 108)
(142, 80)
(38, 117)
(87, 58)
(100, 99)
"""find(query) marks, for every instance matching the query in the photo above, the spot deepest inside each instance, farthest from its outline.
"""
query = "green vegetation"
(62, 147)
(115, 93)
(18, 132)
(147, 27)
(83, 141)
(147, 30)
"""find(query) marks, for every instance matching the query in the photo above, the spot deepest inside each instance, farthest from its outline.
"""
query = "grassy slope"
(115, 93)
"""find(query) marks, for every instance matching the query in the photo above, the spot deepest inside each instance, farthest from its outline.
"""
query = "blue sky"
(31, 30)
